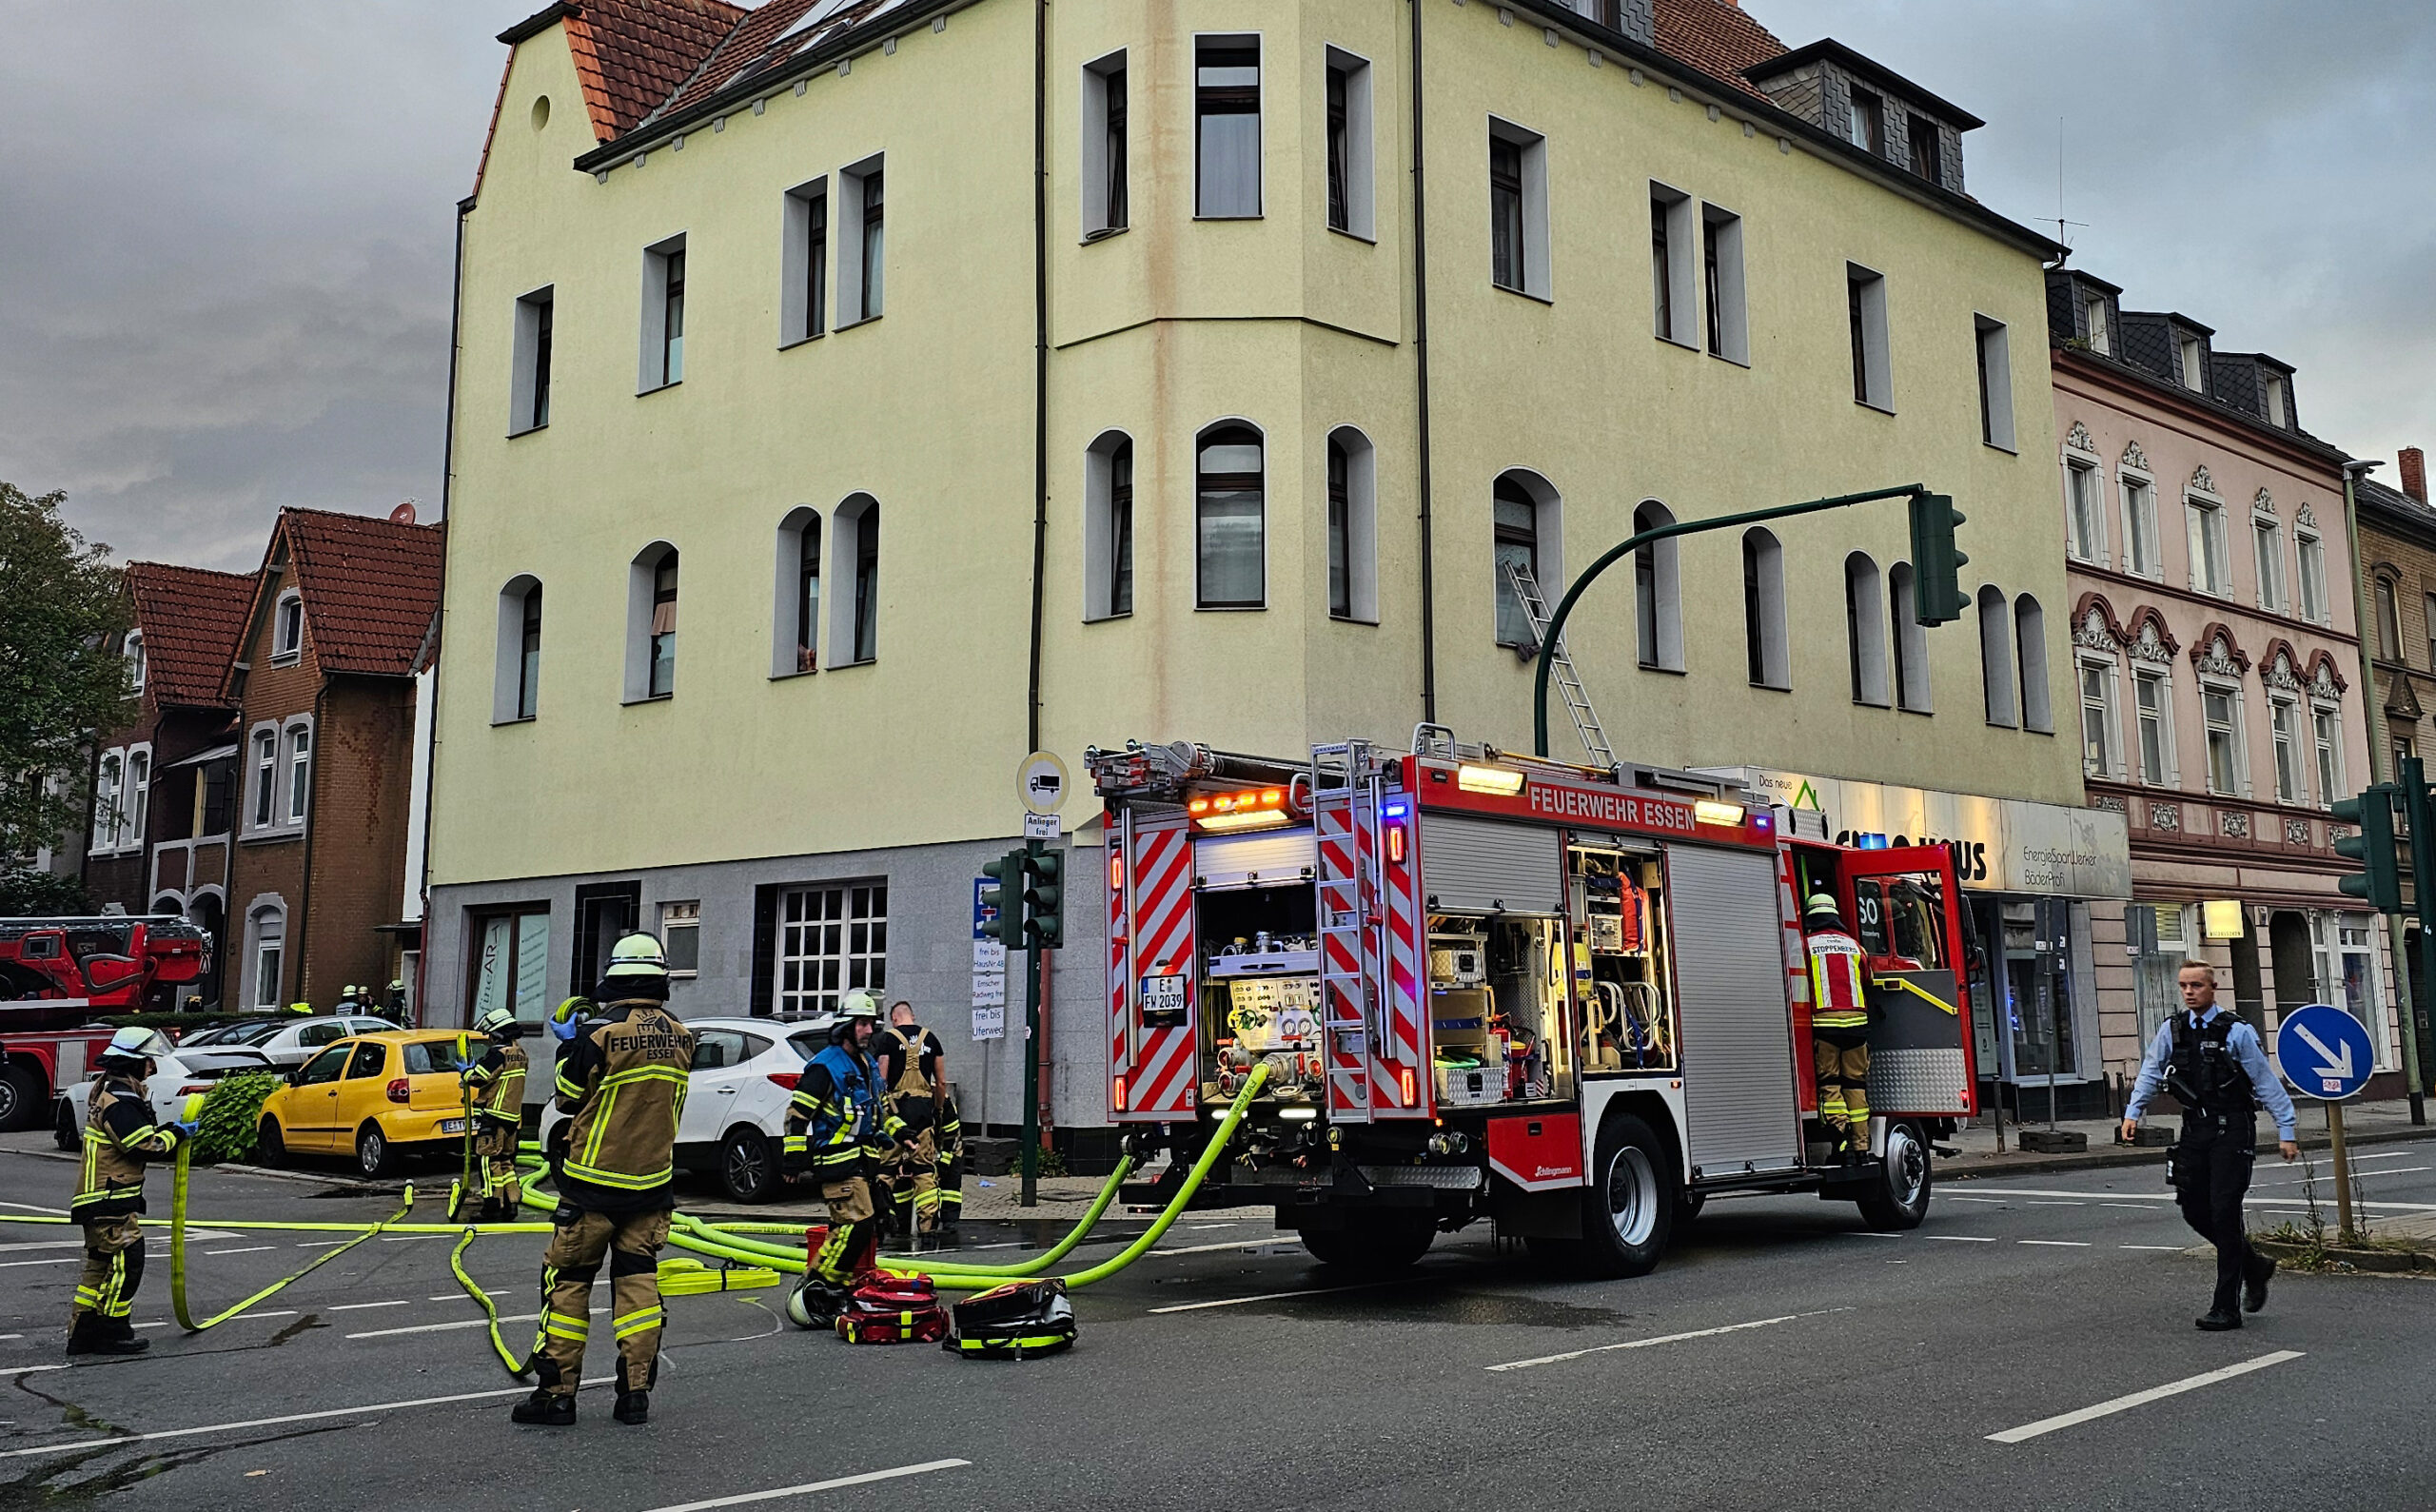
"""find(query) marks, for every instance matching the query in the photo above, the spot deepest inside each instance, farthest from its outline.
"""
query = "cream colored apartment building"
(851, 398)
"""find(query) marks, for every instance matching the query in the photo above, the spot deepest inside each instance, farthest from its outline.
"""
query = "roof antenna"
(2060, 222)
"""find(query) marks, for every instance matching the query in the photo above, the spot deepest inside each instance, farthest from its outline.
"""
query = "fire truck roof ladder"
(1577, 701)
(1344, 800)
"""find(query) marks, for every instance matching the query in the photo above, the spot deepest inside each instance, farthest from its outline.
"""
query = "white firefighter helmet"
(637, 956)
(496, 1021)
(136, 1042)
(860, 1003)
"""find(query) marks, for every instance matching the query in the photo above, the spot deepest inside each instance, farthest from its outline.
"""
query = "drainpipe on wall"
(2380, 770)
(1420, 361)
(1040, 357)
(431, 747)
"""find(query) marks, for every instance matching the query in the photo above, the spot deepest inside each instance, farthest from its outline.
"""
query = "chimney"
(2415, 472)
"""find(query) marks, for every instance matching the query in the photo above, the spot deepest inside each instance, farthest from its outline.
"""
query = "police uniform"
(623, 1082)
(497, 1083)
(909, 1071)
(1839, 1032)
(120, 1137)
(839, 1130)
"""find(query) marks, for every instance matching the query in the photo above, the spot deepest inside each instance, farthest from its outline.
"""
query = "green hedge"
(232, 1114)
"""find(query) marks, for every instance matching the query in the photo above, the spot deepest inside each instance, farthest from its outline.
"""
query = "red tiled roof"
(776, 32)
(370, 588)
(1718, 37)
(631, 56)
(192, 621)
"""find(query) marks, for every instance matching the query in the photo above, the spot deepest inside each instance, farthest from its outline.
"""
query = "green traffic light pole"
(1555, 636)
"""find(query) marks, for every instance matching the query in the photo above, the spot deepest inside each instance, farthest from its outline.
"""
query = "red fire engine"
(58, 972)
(1572, 1001)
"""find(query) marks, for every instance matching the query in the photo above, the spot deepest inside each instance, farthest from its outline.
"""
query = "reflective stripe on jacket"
(1835, 1000)
(834, 1120)
(498, 1081)
(120, 1136)
(623, 1085)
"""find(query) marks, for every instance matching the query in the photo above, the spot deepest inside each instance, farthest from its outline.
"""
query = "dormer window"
(1866, 127)
(2095, 308)
(287, 627)
(1928, 161)
(2194, 364)
(134, 651)
(2279, 412)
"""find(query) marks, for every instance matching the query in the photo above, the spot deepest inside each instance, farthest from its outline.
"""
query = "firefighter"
(497, 1080)
(840, 1130)
(622, 1081)
(2215, 1067)
(395, 1008)
(1839, 1026)
(908, 1069)
(120, 1137)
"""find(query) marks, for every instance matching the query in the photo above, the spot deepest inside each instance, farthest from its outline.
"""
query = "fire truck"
(1573, 1002)
(56, 973)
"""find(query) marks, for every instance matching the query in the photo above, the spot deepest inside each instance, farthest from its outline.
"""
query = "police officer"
(840, 1130)
(917, 1094)
(622, 1081)
(2215, 1067)
(1839, 1026)
(121, 1135)
(497, 1080)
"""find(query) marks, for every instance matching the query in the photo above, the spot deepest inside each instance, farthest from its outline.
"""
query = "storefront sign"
(2220, 918)
(2001, 845)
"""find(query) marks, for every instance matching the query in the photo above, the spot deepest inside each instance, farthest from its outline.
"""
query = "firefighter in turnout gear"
(839, 1130)
(497, 1081)
(917, 1095)
(120, 1137)
(1839, 1025)
(622, 1081)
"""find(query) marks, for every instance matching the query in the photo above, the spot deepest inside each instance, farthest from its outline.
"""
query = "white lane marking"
(452, 1296)
(359, 1306)
(2172, 1250)
(1961, 1239)
(2124, 1403)
(55, 1260)
(249, 1250)
(1863, 1233)
(30, 1207)
(810, 1486)
(27, 1370)
(2054, 1204)
(2166, 1197)
(249, 1317)
(2060, 1244)
(2382, 1170)
(1203, 1228)
(7, 1336)
(1994, 1202)
(113, 1441)
(1669, 1338)
(2135, 1206)
(43, 1244)
(408, 1239)
(461, 1322)
(1269, 1296)
(161, 1324)
(1211, 1250)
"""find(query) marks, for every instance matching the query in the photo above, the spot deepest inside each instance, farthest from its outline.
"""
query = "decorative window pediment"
(2280, 675)
(2306, 518)
(2080, 438)
(2202, 481)
(2135, 457)
(2263, 503)
(2218, 657)
(2095, 634)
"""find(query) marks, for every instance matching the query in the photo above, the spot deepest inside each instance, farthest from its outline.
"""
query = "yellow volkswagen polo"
(374, 1097)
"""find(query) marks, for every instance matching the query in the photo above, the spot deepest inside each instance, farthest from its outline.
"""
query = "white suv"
(744, 1075)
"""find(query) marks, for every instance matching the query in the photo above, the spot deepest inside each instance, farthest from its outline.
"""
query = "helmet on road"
(497, 1022)
(136, 1044)
(860, 1003)
(636, 955)
(1823, 907)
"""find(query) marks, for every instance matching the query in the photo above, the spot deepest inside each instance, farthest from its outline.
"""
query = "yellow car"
(374, 1097)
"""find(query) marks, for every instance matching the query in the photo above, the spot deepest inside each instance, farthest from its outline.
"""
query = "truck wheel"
(62, 1127)
(271, 1150)
(1381, 1247)
(22, 1098)
(748, 1168)
(1898, 1197)
(1629, 1210)
(372, 1154)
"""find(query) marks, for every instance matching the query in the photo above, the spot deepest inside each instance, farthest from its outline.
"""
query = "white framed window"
(2210, 556)
(1526, 531)
(1996, 657)
(1865, 312)
(1911, 642)
(1674, 276)
(831, 940)
(1226, 137)
(2347, 974)
(510, 965)
(2220, 715)
(263, 813)
(1864, 630)
(2311, 551)
(529, 381)
(1995, 383)
(2194, 365)
(137, 809)
(109, 793)
(794, 623)
(2326, 724)
(1351, 148)
(1865, 122)
(853, 616)
(2030, 648)
(1729, 316)
(132, 650)
(2153, 712)
(267, 953)
(803, 261)
(651, 623)
(287, 627)
(2388, 620)
(1108, 527)
(1518, 208)
(515, 675)
(2284, 723)
(2084, 519)
(2141, 556)
(1766, 656)
(1107, 206)
(299, 778)
(2267, 538)
(1353, 526)
(1230, 529)
(663, 360)
(1658, 594)
(862, 241)
(2279, 401)
(2101, 751)
(2094, 311)
(681, 937)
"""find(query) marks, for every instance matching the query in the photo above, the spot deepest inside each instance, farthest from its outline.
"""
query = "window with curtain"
(265, 776)
(874, 186)
(2312, 554)
(2269, 539)
(270, 942)
(1229, 524)
(108, 782)
(2085, 529)
(2140, 529)
(663, 626)
(2097, 720)
(2211, 570)
(1114, 167)
(1340, 168)
(2327, 725)
(671, 328)
(1226, 128)
(2220, 714)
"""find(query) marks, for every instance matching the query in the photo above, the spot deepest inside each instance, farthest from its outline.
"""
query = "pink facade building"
(2217, 667)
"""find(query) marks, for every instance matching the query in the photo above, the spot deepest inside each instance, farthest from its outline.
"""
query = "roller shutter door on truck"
(1478, 866)
(1730, 980)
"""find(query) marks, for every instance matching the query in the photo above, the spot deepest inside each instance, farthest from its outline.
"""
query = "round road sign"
(2323, 1052)
(1041, 782)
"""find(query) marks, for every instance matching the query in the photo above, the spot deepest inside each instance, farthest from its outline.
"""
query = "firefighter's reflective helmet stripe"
(496, 1021)
(636, 954)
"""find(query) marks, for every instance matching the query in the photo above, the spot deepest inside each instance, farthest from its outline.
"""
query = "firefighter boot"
(633, 1407)
(92, 1334)
(547, 1409)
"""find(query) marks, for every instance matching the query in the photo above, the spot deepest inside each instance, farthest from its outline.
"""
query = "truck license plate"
(453, 1125)
(1164, 996)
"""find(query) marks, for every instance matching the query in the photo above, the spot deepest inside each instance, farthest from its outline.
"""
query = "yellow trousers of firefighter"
(495, 1176)
(1841, 1059)
(913, 1185)
(114, 1269)
(631, 1242)
(852, 1243)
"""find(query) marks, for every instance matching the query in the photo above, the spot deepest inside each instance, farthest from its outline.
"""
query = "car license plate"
(452, 1126)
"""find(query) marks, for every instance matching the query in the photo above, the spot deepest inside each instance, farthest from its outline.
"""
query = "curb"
(2369, 1262)
(1970, 1168)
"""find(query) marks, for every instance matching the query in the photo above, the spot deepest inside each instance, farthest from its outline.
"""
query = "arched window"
(137, 806)
(1108, 527)
(1526, 526)
(1763, 610)
(2030, 637)
(1865, 641)
(134, 651)
(287, 627)
(266, 947)
(1997, 655)
(651, 623)
(853, 617)
(1911, 642)
(516, 678)
(1353, 526)
(2389, 620)
(1229, 520)
(794, 623)
(1658, 609)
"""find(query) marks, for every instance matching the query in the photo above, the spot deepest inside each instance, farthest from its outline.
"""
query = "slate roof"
(1718, 37)
(370, 586)
(191, 620)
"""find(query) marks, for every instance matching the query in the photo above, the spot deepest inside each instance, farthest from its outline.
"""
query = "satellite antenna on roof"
(403, 514)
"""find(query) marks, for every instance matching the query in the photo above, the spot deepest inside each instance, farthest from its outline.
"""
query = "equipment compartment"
(1619, 967)
(1498, 1009)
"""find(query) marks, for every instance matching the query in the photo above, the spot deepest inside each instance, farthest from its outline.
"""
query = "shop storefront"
(2031, 872)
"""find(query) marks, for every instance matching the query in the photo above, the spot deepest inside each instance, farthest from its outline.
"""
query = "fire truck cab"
(1573, 1002)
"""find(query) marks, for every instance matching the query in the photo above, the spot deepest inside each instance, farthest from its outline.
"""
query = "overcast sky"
(225, 225)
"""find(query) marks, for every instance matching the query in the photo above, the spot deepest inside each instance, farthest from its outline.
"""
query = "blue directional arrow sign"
(2324, 1052)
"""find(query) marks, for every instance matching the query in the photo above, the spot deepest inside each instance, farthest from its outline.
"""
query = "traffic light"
(2372, 843)
(1044, 925)
(1004, 901)
(1936, 566)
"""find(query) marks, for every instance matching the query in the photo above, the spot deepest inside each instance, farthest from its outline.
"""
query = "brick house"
(2398, 559)
(325, 691)
(162, 791)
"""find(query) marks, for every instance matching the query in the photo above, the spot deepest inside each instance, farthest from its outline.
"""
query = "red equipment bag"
(892, 1310)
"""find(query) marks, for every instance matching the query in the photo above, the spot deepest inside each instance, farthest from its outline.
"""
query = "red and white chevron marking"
(1404, 1051)
(1164, 1079)
(1344, 927)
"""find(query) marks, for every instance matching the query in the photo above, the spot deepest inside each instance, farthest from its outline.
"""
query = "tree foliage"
(62, 679)
(27, 894)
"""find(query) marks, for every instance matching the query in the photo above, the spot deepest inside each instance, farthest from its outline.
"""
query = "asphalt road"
(1781, 1358)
